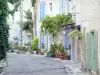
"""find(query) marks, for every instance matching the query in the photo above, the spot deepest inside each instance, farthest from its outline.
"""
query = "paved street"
(22, 64)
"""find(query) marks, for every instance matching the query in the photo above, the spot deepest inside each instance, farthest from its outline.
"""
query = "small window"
(50, 4)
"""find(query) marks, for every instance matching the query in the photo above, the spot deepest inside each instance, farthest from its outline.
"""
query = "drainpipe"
(84, 47)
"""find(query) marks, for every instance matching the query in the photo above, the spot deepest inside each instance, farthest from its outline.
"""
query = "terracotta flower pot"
(61, 57)
(57, 56)
(66, 57)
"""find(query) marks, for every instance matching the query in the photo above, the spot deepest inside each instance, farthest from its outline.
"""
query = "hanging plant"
(75, 33)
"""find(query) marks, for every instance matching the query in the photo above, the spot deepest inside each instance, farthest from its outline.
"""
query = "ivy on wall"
(4, 45)
(4, 28)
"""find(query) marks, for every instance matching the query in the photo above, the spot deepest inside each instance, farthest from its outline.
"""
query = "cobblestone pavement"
(23, 64)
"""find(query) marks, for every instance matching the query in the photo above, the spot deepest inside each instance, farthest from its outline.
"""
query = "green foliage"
(34, 44)
(27, 44)
(51, 24)
(28, 15)
(53, 49)
(4, 34)
(61, 49)
(68, 19)
(27, 25)
(33, 2)
(21, 48)
(75, 33)
(4, 28)
(13, 1)
(16, 4)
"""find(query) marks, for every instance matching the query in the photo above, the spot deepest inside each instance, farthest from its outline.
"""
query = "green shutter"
(96, 51)
(92, 50)
(88, 50)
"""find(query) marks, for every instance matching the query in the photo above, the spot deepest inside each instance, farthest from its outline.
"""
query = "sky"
(26, 6)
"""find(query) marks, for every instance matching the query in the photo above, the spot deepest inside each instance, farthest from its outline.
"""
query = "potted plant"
(62, 53)
(34, 44)
(57, 53)
(65, 55)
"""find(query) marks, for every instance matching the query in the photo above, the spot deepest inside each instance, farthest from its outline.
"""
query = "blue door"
(67, 40)
(67, 43)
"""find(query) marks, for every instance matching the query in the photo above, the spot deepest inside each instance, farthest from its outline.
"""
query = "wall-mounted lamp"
(64, 32)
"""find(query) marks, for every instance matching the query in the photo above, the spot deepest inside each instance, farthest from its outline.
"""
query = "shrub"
(61, 49)
(52, 51)
(34, 44)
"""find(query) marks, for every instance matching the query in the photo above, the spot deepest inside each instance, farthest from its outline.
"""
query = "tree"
(51, 24)
(4, 28)
(28, 24)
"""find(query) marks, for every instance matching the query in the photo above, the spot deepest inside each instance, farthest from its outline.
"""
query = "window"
(50, 5)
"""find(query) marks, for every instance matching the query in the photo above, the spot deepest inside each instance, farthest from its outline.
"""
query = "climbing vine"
(4, 28)
(4, 45)
(51, 24)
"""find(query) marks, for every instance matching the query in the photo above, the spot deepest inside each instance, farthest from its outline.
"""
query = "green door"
(92, 50)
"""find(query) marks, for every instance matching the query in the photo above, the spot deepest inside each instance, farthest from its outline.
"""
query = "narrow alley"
(23, 64)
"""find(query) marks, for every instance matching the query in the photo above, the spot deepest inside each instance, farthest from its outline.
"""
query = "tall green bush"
(34, 44)
(4, 45)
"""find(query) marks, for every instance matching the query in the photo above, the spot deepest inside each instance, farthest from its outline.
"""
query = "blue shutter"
(42, 10)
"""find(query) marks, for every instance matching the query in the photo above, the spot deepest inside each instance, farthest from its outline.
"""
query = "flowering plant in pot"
(57, 55)
(34, 44)
(57, 52)
(62, 53)
(65, 55)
